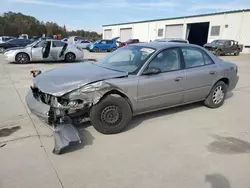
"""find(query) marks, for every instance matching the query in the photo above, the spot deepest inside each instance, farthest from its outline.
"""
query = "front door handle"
(212, 72)
(178, 79)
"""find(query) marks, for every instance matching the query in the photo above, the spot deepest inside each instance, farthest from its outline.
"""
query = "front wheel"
(22, 58)
(218, 53)
(217, 95)
(237, 52)
(96, 50)
(111, 115)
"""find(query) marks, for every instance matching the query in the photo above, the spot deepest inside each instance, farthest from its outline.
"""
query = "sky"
(92, 14)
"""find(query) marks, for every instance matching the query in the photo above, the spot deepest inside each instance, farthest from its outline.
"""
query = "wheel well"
(69, 53)
(116, 92)
(22, 53)
(225, 80)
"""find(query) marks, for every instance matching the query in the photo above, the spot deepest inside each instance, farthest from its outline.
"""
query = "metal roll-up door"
(174, 31)
(107, 34)
(125, 34)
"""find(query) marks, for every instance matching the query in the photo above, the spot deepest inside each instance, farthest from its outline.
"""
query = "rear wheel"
(217, 95)
(111, 115)
(113, 49)
(70, 57)
(22, 58)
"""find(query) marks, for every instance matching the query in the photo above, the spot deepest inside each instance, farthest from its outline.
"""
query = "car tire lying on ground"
(70, 57)
(22, 58)
(111, 115)
(217, 95)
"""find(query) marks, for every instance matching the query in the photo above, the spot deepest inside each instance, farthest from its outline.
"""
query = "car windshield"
(128, 59)
(218, 42)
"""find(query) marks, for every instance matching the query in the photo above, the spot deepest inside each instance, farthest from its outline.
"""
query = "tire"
(2, 50)
(215, 102)
(237, 52)
(116, 107)
(96, 50)
(112, 49)
(218, 53)
(70, 57)
(22, 58)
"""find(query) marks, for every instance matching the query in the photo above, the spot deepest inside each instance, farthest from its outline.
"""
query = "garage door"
(107, 34)
(174, 31)
(125, 34)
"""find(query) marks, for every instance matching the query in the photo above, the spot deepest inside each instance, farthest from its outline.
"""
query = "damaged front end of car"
(63, 112)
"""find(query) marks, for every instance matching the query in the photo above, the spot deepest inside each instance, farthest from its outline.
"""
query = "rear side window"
(109, 42)
(194, 57)
(58, 44)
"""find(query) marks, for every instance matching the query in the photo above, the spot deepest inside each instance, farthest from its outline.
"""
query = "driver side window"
(167, 60)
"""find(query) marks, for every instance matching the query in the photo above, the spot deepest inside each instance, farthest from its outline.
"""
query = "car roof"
(163, 45)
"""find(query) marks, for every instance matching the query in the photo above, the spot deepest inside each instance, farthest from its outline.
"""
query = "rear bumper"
(38, 108)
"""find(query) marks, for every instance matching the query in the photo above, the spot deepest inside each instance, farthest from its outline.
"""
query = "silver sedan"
(44, 50)
(135, 79)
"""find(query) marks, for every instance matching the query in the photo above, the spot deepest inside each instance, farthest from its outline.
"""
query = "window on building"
(215, 31)
(160, 32)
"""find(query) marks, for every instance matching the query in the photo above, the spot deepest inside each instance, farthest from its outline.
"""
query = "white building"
(198, 29)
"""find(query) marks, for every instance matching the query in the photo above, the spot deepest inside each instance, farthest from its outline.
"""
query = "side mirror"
(151, 70)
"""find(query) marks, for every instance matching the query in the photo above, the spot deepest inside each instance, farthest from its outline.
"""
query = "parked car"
(45, 50)
(132, 80)
(83, 44)
(4, 39)
(104, 45)
(14, 43)
(222, 47)
(172, 40)
(130, 41)
(65, 40)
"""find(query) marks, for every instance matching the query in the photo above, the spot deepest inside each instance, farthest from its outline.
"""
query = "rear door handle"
(212, 72)
(178, 79)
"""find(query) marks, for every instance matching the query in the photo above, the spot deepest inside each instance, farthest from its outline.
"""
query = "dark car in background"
(4, 39)
(223, 47)
(14, 43)
(130, 41)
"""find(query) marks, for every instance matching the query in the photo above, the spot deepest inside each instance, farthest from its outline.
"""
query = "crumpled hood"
(62, 80)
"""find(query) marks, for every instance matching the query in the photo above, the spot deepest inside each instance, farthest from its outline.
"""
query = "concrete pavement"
(190, 146)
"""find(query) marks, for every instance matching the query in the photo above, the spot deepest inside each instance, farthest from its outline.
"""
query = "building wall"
(238, 27)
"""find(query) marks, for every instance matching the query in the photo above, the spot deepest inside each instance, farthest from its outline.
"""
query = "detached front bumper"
(38, 108)
(64, 131)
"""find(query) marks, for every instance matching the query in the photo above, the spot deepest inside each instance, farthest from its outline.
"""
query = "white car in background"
(45, 50)
(83, 44)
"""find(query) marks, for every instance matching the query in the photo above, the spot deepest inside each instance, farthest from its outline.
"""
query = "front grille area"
(41, 96)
